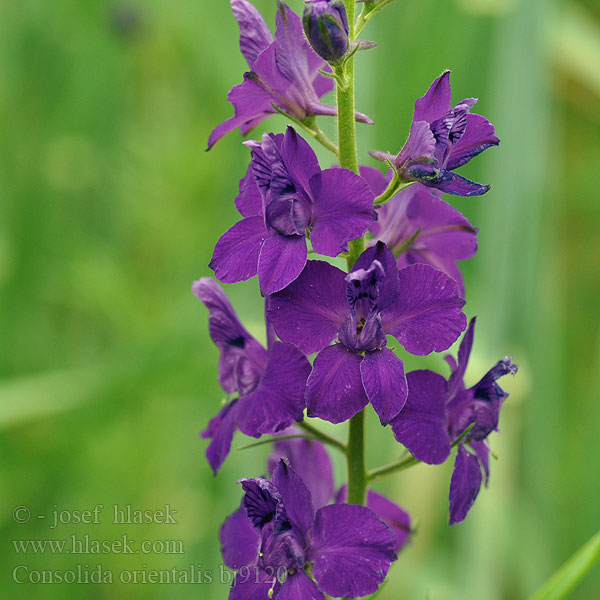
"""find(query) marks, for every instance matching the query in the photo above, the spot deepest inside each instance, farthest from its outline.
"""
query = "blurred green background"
(110, 208)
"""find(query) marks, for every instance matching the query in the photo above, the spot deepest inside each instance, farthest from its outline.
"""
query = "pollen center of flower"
(288, 213)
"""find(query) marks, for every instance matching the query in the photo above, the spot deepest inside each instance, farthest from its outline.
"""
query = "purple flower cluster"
(328, 330)
(295, 522)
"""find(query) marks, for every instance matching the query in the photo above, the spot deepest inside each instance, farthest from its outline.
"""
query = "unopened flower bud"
(326, 27)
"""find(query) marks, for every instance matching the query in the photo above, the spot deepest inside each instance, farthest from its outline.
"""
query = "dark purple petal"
(268, 76)
(261, 501)
(254, 33)
(299, 586)
(385, 383)
(334, 390)
(249, 200)
(376, 180)
(392, 515)
(220, 431)
(464, 485)
(482, 450)
(282, 259)
(239, 540)
(421, 426)
(436, 101)
(224, 327)
(242, 358)
(295, 497)
(311, 461)
(452, 183)
(267, 164)
(488, 398)
(309, 311)
(420, 146)
(396, 518)
(292, 52)
(455, 382)
(278, 401)
(352, 550)
(236, 254)
(479, 135)
(343, 210)
(426, 316)
(388, 285)
(254, 583)
(251, 100)
(461, 412)
(299, 158)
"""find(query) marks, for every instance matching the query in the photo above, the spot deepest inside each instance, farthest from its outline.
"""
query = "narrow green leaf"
(571, 573)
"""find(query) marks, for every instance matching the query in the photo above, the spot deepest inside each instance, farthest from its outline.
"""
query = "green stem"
(345, 103)
(355, 452)
(322, 437)
(357, 473)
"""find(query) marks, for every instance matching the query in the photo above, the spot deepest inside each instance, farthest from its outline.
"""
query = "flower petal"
(395, 517)
(281, 260)
(254, 33)
(343, 210)
(309, 311)
(352, 550)
(242, 358)
(249, 200)
(421, 426)
(376, 180)
(482, 450)
(254, 583)
(299, 586)
(426, 316)
(240, 542)
(436, 101)
(261, 501)
(278, 401)
(464, 485)
(299, 158)
(251, 104)
(334, 390)
(455, 382)
(292, 49)
(236, 253)
(384, 381)
(452, 183)
(420, 146)
(478, 136)
(389, 286)
(295, 497)
(311, 461)
(220, 431)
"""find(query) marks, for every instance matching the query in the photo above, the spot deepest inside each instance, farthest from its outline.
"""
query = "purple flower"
(438, 412)
(326, 27)
(311, 461)
(283, 198)
(284, 72)
(442, 139)
(419, 227)
(280, 535)
(269, 385)
(418, 305)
